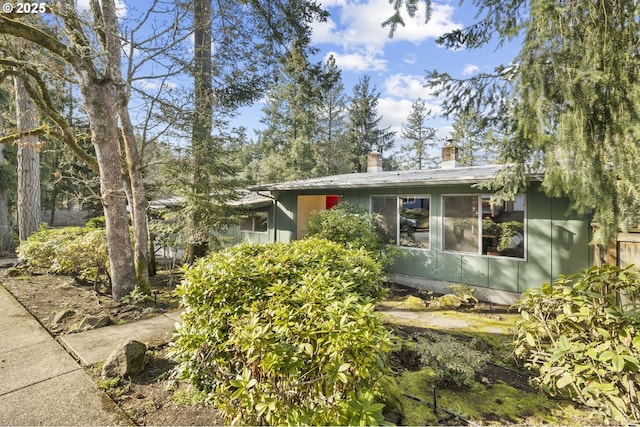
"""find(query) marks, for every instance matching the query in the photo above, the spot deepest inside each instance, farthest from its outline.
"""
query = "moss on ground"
(487, 404)
(498, 404)
(412, 303)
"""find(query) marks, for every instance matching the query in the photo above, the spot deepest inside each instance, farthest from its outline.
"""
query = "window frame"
(480, 196)
(399, 198)
(252, 215)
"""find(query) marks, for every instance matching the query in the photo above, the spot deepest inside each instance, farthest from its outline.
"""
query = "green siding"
(426, 263)
(449, 267)
(556, 242)
(405, 263)
(570, 238)
(537, 268)
(504, 274)
(475, 270)
(285, 216)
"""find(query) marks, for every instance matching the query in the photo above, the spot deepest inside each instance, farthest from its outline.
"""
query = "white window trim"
(399, 198)
(253, 223)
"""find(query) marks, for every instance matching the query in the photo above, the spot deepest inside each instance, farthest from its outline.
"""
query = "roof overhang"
(412, 178)
(247, 200)
(251, 200)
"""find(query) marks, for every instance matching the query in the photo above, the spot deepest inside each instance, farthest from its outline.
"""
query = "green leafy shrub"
(350, 225)
(455, 363)
(581, 343)
(77, 251)
(96, 222)
(285, 333)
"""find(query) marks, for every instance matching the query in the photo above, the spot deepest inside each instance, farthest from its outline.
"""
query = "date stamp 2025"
(24, 8)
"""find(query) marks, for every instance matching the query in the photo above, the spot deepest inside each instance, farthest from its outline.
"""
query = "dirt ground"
(150, 398)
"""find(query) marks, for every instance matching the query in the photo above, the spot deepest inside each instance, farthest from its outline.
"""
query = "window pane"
(414, 222)
(387, 207)
(255, 221)
(247, 223)
(503, 227)
(260, 221)
(460, 223)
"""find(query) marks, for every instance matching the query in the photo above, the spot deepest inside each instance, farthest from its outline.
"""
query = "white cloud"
(121, 7)
(416, 30)
(470, 69)
(154, 85)
(410, 58)
(394, 112)
(359, 62)
(332, 3)
(407, 86)
(444, 132)
(360, 25)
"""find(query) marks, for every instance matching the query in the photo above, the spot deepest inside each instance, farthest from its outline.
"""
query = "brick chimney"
(449, 156)
(374, 162)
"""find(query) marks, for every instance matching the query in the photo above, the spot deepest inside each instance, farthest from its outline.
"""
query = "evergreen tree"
(473, 139)
(287, 142)
(250, 39)
(331, 148)
(363, 132)
(29, 205)
(569, 102)
(421, 138)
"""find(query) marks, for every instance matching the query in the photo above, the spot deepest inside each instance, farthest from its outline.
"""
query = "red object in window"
(331, 201)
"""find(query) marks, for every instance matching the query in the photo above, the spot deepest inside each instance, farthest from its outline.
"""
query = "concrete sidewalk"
(95, 345)
(40, 383)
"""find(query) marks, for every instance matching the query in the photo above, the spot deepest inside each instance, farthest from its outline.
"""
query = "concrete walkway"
(95, 345)
(40, 383)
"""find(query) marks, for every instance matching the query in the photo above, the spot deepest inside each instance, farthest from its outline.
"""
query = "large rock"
(128, 359)
(62, 315)
(94, 322)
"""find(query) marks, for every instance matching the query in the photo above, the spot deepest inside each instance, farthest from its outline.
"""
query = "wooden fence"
(624, 251)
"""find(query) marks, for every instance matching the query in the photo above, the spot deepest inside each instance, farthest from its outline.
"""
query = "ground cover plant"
(285, 333)
(583, 343)
(454, 362)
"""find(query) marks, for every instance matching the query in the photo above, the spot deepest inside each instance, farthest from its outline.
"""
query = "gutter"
(275, 213)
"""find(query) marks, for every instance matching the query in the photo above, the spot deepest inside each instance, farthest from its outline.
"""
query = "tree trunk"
(100, 100)
(138, 198)
(28, 164)
(197, 229)
(153, 267)
(5, 225)
(100, 104)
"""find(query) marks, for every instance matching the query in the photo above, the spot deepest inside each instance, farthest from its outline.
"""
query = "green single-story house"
(448, 230)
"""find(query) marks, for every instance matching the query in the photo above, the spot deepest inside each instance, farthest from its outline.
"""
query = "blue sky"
(397, 66)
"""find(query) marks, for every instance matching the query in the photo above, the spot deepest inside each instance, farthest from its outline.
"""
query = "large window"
(475, 224)
(255, 221)
(404, 220)
(460, 223)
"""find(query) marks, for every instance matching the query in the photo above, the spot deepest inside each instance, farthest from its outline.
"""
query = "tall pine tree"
(290, 116)
(473, 138)
(417, 154)
(569, 103)
(330, 147)
(363, 132)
